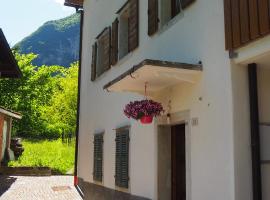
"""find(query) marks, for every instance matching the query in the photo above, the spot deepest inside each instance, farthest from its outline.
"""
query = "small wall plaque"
(195, 121)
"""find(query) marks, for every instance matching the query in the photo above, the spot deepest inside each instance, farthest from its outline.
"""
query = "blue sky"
(19, 18)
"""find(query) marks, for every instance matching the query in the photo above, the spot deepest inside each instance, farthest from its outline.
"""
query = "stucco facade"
(215, 108)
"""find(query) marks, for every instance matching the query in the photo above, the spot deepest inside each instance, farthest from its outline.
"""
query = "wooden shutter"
(106, 40)
(114, 42)
(98, 157)
(245, 21)
(176, 7)
(122, 159)
(133, 25)
(152, 17)
(263, 6)
(94, 62)
(186, 3)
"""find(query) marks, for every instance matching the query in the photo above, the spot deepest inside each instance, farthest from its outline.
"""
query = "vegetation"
(56, 42)
(54, 154)
(46, 96)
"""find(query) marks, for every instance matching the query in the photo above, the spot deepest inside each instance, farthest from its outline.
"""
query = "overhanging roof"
(74, 3)
(8, 65)
(157, 74)
(10, 113)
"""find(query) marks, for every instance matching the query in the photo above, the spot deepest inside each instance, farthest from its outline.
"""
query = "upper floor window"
(128, 33)
(101, 54)
(160, 12)
(123, 32)
(116, 41)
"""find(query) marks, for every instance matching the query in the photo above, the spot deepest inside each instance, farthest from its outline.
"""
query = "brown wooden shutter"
(186, 3)
(133, 25)
(236, 34)
(245, 21)
(228, 24)
(176, 7)
(94, 62)
(106, 39)
(152, 17)
(114, 42)
(253, 18)
(263, 6)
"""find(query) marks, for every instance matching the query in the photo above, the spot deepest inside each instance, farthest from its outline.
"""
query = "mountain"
(56, 42)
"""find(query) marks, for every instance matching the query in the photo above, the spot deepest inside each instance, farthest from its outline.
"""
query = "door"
(4, 140)
(178, 151)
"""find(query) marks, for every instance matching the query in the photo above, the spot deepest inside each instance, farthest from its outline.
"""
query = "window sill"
(98, 183)
(125, 190)
(170, 23)
(124, 59)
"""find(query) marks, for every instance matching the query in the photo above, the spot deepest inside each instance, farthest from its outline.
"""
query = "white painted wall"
(197, 36)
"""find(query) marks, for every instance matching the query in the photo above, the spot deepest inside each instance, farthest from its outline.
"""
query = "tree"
(36, 95)
(60, 114)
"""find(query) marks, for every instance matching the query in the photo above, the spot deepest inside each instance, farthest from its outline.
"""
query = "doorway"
(172, 162)
(178, 153)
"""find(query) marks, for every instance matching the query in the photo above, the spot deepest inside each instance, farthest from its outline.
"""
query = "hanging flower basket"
(143, 110)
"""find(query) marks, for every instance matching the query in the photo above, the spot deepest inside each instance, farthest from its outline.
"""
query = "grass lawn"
(54, 154)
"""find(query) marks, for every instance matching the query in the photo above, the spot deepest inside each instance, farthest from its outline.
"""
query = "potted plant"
(143, 110)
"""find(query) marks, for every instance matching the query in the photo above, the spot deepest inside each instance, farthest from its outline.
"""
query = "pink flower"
(138, 109)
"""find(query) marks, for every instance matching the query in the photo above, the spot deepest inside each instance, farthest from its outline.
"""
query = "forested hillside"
(55, 42)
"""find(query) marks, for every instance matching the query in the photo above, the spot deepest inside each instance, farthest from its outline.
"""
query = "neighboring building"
(215, 144)
(6, 117)
(8, 65)
(8, 69)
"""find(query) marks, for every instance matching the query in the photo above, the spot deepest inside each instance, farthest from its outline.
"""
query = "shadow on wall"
(5, 183)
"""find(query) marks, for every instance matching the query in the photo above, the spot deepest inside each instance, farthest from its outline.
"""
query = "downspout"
(255, 132)
(76, 181)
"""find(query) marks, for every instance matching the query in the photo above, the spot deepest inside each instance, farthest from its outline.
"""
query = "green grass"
(54, 154)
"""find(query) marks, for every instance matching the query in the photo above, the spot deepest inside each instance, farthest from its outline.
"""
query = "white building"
(209, 148)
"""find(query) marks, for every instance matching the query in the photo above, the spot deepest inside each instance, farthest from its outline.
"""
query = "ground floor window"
(98, 157)
(122, 158)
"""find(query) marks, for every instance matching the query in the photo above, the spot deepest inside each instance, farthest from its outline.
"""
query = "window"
(101, 54)
(128, 27)
(114, 42)
(103, 51)
(122, 158)
(123, 32)
(165, 11)
(160, 12)
(98, 158)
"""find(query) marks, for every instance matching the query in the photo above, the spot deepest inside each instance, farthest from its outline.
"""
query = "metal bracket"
(233, 54)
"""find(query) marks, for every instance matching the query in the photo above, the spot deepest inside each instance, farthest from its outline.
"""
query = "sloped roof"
(74, 3)
(10, 113)
(8, 65)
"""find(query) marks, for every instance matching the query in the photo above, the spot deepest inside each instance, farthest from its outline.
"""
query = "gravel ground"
(38, 188)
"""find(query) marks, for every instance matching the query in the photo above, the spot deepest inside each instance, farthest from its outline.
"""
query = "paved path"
(37, 188)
